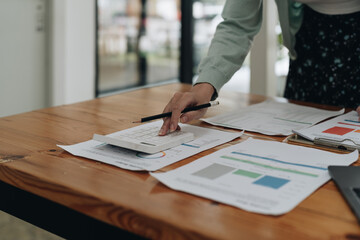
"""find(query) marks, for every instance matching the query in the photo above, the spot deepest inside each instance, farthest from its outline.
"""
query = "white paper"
(205, 138)
(259, 176)
(272, 118)
(342, 129)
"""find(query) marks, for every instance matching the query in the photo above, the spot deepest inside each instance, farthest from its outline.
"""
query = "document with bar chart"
(342, 131)
(260, 176)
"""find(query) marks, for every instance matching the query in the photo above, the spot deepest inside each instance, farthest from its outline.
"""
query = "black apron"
(327, 67)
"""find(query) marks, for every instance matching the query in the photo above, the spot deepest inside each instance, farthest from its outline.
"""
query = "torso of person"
(333, 7)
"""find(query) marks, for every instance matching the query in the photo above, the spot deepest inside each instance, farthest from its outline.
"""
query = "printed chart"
(344, 129)
(260, 176)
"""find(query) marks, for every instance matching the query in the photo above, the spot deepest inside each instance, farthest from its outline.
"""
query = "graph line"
(271, 167)
(279, 161)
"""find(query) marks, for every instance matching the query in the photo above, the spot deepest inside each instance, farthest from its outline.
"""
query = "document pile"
(266, 177)
(272, 118)
(342, 132)
(205, 138)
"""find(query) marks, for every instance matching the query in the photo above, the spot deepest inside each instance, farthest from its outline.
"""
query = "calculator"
(145, 139)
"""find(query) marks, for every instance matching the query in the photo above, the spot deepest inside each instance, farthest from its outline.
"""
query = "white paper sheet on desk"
(259, 176)
(205, 138)
(342, 129)
(346, 126)
(272, 118)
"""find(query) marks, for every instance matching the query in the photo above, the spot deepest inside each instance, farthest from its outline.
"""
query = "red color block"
(338, 130)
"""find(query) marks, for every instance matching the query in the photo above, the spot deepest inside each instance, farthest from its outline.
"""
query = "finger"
(170, 108)
(185, 101)
(358, 110)
(173, 101)
(165, 127)
(189, 116)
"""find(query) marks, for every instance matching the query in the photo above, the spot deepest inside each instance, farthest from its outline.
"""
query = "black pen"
(188, 109)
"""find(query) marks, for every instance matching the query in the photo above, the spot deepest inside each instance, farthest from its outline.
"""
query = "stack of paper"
(205, 138)
(342, 131)
(272, 118)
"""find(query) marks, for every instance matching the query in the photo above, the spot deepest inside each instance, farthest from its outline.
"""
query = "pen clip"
(340, 144)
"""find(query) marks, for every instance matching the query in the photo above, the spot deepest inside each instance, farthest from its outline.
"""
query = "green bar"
(271, 167)
(247, 173)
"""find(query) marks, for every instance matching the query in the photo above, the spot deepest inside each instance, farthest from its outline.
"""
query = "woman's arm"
(228, 49)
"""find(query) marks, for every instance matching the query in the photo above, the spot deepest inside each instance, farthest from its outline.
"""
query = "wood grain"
(135, 201)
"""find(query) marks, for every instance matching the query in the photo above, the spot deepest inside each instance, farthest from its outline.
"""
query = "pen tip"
(136, 122)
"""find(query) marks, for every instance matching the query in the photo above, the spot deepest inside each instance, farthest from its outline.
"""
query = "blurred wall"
(47, 53)
(23, 56)
(72, 50)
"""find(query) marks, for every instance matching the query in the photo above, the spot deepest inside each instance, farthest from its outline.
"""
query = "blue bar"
(272, 182)
(347, 120)
(188, 145)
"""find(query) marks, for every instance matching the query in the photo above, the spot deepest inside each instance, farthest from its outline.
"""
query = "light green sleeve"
(231, 43)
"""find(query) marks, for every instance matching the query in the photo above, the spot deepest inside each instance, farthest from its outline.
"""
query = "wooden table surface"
(135, 201)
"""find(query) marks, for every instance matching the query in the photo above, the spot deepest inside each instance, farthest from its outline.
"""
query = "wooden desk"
(80, 198)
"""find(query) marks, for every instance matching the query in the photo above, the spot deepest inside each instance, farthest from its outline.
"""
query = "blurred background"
(141, 41)
(55, 52)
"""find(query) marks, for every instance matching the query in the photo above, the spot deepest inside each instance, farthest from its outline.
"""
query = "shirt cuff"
(213, 77)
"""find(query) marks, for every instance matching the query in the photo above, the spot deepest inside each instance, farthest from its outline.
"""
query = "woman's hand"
(199, 94)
